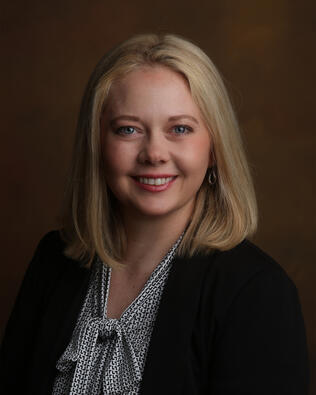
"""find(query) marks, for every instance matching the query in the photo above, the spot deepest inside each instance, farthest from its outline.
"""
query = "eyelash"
(119, 130)
(188, 128)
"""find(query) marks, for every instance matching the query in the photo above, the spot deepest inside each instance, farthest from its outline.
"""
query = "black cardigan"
(229, 323)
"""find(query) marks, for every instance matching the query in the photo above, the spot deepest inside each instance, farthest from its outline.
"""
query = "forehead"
(158, 87)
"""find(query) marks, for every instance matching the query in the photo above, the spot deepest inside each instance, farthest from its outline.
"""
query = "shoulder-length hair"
(225, 213)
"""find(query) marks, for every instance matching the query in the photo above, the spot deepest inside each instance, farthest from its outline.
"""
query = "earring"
(212, 176)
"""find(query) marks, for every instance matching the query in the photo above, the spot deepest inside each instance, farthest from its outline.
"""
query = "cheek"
(117, 157)
(195, 157)
(111, 162)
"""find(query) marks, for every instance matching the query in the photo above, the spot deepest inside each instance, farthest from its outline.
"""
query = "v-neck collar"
(164, 264)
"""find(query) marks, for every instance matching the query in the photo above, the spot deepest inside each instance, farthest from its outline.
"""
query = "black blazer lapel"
(166, 358)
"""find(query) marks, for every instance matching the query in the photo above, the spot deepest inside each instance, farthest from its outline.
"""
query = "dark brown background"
(266, 52)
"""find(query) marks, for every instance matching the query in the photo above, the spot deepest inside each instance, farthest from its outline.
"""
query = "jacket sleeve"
(21, 329)
(261, 348)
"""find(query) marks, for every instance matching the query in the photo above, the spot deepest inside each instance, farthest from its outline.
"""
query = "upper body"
(158, 154)
(228, 323)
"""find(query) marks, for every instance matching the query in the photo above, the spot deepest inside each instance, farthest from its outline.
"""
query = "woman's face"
(155, 145)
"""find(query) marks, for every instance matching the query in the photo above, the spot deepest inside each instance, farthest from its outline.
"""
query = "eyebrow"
(133, 118)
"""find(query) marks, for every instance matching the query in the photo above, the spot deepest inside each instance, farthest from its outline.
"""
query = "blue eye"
(182, 129)
(125, 130)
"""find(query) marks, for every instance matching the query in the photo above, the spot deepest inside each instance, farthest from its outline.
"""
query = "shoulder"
(51, 249)
(248, 258)
(243, 262)
(244, 270)
(230, 270)
(49, 263)
(51, 242)
(49, 254)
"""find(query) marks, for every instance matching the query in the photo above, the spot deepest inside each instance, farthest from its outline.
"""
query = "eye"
(182, 129)
(125, 130)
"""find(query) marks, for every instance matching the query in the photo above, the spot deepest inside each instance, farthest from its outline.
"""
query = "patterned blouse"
(107, 355)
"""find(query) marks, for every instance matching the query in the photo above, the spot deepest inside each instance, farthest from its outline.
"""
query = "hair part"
(225, 213)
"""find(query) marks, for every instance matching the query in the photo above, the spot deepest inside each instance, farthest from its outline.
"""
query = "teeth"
(154, 181)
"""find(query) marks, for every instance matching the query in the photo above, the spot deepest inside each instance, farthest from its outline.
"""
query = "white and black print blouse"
(107, 355)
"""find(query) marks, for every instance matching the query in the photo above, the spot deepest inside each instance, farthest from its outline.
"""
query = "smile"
(153, 183)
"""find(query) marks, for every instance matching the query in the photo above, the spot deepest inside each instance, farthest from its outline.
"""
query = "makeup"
(154, 183)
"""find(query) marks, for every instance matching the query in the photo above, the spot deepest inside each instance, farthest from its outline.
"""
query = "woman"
(151, 286)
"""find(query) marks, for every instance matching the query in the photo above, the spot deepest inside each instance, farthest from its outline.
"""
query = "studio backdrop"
(265, 51)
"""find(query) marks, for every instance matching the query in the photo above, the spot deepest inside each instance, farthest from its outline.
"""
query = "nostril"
(153, 155)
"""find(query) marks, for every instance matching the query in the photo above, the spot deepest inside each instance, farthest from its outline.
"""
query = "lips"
(154, 183)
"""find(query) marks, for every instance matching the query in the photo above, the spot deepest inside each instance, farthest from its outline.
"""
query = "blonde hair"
(225, 213)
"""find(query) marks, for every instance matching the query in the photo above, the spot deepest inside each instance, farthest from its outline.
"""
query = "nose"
(154, 150)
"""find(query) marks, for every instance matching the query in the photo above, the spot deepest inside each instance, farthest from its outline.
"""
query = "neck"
(149, 239)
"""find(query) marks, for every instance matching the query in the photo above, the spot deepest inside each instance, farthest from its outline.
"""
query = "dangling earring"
(212, 176)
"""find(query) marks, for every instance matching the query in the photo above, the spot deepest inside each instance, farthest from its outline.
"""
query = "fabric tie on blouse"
(89, 352)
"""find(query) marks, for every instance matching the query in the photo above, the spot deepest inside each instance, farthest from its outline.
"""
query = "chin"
(155, 213)
(150, 210)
